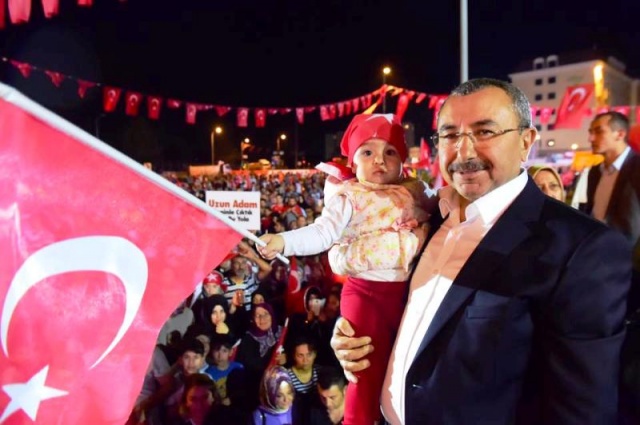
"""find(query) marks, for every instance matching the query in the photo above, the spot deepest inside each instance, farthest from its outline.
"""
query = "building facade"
(545, 80)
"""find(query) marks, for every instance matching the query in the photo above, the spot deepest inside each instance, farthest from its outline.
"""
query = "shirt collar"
(617, 164)
(488, 207)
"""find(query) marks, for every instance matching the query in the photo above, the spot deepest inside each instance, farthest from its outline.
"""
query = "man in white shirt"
(515, 308)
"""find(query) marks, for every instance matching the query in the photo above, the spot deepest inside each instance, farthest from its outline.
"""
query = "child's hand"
(275, 245)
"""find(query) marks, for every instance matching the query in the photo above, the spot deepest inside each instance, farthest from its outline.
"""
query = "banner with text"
(241, 207)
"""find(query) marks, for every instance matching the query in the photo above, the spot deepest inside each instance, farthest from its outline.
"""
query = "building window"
(552, 60)
(551, 80)
(538, 97)
(538, 63)
(538, 81)
(551, 95)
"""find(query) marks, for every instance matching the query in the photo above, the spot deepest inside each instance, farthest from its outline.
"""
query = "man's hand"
(350, 350)
(275, 245)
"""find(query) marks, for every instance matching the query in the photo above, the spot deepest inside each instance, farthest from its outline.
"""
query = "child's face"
(377, 161)
(192, 362)
(221, 355)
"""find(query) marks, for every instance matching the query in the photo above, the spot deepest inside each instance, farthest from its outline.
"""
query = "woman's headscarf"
(271, 380)
(533, 172)
(268, 338)
(211, 302)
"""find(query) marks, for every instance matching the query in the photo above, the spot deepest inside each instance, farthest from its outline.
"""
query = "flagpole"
(464, 42)
(13, 96)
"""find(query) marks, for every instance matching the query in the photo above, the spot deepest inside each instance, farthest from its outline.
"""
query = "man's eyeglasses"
(451, 139)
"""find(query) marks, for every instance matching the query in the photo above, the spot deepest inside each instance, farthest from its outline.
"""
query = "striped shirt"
(304, 387)
(249, 286)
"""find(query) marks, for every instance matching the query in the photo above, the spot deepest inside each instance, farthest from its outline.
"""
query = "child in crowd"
(374, 225)
(222, 367)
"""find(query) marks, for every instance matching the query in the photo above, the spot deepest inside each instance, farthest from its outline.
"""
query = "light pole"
(217, 130)
(280, 153)
(385, 71)
(244, 144)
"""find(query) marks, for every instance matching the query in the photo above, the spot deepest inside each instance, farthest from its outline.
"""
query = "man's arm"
(582, 332)
(264, 267)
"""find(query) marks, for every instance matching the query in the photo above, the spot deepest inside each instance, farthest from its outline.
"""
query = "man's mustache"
(467, 166)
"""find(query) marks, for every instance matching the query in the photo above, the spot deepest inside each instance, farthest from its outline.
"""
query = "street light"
(244, 144)
(278, 152)
(217, 130)
(385, 71)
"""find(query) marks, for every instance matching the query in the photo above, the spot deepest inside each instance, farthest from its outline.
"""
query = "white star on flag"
(388, 117)
(27, 396)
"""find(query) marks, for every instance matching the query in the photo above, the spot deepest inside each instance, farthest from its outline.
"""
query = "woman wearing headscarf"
(549, 182)
(257, 345)
(276, 398)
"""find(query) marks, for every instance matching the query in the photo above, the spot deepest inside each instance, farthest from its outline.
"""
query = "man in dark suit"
(515, 308)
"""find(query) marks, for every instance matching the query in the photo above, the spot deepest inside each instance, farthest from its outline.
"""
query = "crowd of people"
(503, 304)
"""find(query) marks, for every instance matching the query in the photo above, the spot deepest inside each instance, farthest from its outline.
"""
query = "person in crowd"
(241, 278)
(516, 307)
(197, 400)
(256, 347)
(374, 227)
(212, 284)
(304, 374)
(613, 197)
(276, 399)
(274, 288)
(549, 182)
(222, 366)
(332, 390)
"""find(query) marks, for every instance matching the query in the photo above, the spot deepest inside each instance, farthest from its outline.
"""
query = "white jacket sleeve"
(323, 233)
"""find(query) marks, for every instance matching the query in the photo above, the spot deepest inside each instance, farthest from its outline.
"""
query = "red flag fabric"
(19, 11)
(261, 117)
(341, 109)
(111, 97)
(173, 103)
(133, 100)
(279, 348)
(2, 16)
(154, 105)
(91, 270)
(574, 106)
(55, 77)
(85, 3)
(534, 112)
(403, 103)
(191, 111)
(347, 107)
(435, 103)
(242, 118)
(420, 97)
(300, 115)
(24, 68)
(284, 111)
(333, 111)
(545, 115)
(272, 111)
(83, 86)
(624, 110)
(221, 110)
(50, 7)
(324, 113)
(295, 295)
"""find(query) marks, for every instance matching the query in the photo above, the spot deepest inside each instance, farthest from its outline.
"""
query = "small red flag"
(133, 100)
(111, 97)
(83, 86)
(242, 118)
(19, 11)
(191, 110)
(261, 117)
(300, 115)
(55, 77)
(154, 105)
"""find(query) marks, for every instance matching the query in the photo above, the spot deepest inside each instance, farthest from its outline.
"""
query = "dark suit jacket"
(530, 331)
(623, 211)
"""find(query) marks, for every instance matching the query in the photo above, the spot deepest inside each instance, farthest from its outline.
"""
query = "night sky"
(286, 53)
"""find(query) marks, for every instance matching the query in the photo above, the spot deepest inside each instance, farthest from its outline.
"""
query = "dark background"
(257, 53)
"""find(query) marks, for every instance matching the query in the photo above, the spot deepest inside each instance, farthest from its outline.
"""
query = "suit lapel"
(623, 178)
(477, 273)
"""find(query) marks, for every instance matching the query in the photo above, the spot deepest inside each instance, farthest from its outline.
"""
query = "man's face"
(497, 160)
(332, 398)
(603, 138)
(239, 266)
(212, 289)
(191, 362)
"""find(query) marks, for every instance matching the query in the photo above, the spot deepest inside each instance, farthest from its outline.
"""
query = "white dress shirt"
(441, 262)
(605, 186)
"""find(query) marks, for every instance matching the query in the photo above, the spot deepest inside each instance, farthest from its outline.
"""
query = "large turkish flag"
(97, 251)
(574, 106)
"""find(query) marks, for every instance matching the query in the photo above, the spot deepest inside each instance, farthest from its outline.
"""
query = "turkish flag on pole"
(133, 100)
(154, 106)
(97, 253)
(261, 117)
(111, 95)
(294, 298)
(574, 106)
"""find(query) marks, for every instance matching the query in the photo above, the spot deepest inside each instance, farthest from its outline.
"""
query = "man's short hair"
(221, 340)
(193, 345)
(519, 101)
(617, 121)
(329, 376)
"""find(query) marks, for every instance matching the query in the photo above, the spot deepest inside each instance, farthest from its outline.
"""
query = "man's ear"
(527, 140)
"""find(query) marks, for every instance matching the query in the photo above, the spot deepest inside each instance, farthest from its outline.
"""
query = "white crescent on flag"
(576, 98)
(109, 254)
